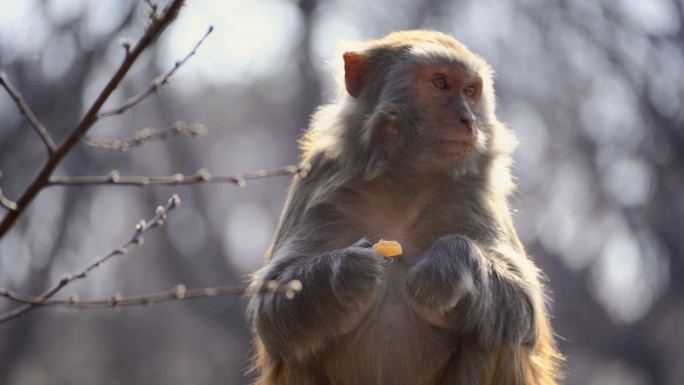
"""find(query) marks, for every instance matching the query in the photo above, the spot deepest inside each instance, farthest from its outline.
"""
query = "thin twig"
(152, 13)
(137, 239)
(152, 32)
(26, 111)
(202, 176)
(7, 203)
(156, 83)
(179, 292)
(147, 135)
(126, 44)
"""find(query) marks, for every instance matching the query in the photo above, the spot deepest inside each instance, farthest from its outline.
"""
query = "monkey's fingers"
(388, 249)
(363, 242)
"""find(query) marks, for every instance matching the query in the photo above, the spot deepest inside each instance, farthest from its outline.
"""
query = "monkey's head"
(416, 101)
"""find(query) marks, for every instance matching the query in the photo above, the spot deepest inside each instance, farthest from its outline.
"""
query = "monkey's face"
(422, 101)
(447, 99)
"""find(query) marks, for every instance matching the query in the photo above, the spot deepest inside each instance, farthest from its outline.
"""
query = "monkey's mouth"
(456, 148)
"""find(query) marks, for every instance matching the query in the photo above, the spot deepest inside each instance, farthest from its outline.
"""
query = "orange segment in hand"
(388, 249)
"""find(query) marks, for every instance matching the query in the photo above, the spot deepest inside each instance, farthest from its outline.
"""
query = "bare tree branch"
(26, 111)
(152, 12)
(155, 28)
(179, 292)
(202, 176)
(7, 203)
(147, 135)
(137, 239)
(156, 84)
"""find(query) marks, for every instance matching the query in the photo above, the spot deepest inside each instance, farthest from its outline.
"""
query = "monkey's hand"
(447, 273)
(337, 288)
(474, 292)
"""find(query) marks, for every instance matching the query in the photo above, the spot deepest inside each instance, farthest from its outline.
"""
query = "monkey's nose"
(468, 121)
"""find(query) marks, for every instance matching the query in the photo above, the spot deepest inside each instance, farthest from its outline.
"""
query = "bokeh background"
(594, 89)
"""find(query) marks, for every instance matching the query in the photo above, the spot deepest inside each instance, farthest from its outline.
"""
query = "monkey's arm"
(337, 286)
(494, 292)
(305, 190)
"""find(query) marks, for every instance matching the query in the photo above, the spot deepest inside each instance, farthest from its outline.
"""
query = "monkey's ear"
(356, 68)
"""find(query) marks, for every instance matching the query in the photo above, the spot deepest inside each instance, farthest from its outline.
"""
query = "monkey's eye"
(469, 91)
(440, 83)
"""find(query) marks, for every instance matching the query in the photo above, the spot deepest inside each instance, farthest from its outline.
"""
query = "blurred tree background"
(593, 88)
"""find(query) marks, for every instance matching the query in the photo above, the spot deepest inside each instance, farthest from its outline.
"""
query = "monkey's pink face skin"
(447, 98)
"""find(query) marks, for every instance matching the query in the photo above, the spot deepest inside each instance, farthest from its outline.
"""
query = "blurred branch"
(147, 135)
(179, 292)
(152, 32)
(137, 239)
(156, 84)
(202, 176)
(26, 111)
(7, 203)
(153, 8)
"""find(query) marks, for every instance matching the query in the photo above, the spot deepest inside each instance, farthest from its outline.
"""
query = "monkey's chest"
(416, 227)
(393, 344)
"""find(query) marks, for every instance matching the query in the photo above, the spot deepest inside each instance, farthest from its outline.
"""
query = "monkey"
(411, 150)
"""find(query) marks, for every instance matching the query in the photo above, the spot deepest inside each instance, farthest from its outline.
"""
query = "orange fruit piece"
(388, 249)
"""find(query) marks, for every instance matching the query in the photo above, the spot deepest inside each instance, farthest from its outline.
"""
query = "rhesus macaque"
(412, 152)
